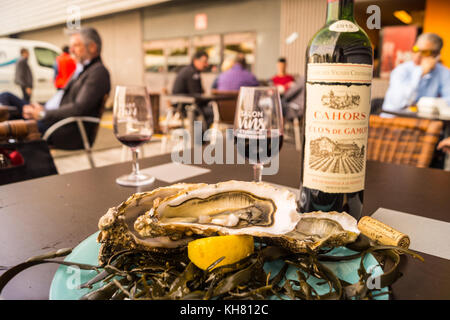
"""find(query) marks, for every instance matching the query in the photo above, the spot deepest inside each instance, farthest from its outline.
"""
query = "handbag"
(23, 154)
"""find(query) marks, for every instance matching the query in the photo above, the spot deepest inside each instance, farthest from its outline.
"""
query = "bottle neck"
(340, 10)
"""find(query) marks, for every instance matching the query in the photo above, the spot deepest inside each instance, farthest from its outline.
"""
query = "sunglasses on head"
(425, 53)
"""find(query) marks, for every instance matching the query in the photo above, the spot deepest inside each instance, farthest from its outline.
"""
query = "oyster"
(168, 218)
(231, 207)
(116, 226)
(320, 229)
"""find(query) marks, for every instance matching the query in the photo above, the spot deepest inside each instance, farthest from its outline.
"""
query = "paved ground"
(107, 150)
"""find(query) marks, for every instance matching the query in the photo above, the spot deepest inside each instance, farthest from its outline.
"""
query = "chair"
(224, 111)
(399, 140)
(23, 151)
(294, 125)
(79, 121)
(173, 120)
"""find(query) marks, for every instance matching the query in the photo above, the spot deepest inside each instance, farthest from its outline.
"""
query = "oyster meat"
(320, 229)
(231, 207)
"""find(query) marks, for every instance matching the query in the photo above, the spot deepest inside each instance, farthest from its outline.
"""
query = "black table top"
(40, 215)
(199, 97)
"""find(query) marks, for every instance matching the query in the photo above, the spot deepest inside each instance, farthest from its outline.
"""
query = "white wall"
(23, 15)
(122, 51)
(176, 19)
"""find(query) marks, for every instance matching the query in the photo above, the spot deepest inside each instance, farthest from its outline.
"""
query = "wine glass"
(258, 126)
(133, 126)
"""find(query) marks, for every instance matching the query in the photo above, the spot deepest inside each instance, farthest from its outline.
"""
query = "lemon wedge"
(205, 251)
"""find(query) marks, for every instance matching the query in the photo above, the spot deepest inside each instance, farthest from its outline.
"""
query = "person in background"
(293, 100)
(188, 81)
(65, 66)
(424, 76)
(82, 96)
(237, 76)
(444, 145)
(23, 76)
(226, 65)
(282, 80)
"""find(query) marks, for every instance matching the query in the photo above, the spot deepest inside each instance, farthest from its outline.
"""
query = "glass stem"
(257, 172)
(135, 152)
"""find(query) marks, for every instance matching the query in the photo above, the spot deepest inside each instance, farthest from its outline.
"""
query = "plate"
(66, 279)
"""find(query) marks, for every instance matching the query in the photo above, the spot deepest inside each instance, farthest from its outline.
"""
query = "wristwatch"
(41, 114)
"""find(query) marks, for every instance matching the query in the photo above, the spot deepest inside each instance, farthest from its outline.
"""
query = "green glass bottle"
(339, 62)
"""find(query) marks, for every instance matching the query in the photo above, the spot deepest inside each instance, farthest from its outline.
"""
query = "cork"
(382, 233)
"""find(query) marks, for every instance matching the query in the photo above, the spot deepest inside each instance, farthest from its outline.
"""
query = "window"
(211, 45)
(244, 42)
(170, 55)
(166, 55)
(45, 57)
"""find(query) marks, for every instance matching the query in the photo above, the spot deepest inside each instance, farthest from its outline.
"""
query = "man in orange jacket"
(65, 66)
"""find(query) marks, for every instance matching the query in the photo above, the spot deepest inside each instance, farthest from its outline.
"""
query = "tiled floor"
(79, 161)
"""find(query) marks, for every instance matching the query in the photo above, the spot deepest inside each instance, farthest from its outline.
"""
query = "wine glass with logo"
(133, 126)
(258, 126)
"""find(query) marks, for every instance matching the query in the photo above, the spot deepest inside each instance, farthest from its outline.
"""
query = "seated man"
(282, 80)
(424, 76)
(82, 96)
(236, 77)
(188, 81)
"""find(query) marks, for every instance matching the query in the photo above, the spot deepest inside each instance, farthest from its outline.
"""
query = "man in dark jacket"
(23, 76)
(82, 96)
(188, 81)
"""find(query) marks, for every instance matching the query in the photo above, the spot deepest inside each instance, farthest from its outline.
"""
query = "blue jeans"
(9, 99)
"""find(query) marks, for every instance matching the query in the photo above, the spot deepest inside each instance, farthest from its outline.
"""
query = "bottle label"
(336, 126)
(344, 26)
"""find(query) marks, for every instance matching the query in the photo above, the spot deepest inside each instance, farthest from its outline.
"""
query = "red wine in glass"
(134, 140)
(258, 126)
(133, 126)
(259, 149)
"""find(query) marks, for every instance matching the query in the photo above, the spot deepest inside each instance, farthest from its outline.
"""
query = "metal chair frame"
(81, 128)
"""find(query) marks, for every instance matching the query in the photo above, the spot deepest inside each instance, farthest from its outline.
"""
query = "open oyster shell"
(116, 226)
(320, 229)
(231, 207)
(168, 218)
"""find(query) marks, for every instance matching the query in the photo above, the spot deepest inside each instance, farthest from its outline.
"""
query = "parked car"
(41, 61)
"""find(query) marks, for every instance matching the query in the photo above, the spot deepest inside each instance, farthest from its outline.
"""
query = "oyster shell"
(320, 229)
(231, 207)
(168, 218)
(116, 226)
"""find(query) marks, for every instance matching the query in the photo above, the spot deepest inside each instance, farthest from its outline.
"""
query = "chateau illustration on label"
(331, 156)
(340, 102)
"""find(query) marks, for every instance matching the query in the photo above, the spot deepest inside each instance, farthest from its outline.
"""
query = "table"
(193, 101)
(40, 215)
(417, 115)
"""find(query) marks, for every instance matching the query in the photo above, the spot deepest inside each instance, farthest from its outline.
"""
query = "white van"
(41, 61)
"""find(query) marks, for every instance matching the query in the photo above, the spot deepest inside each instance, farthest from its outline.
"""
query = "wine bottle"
(339, 62)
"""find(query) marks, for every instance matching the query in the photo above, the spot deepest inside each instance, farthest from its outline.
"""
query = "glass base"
(135, 180)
